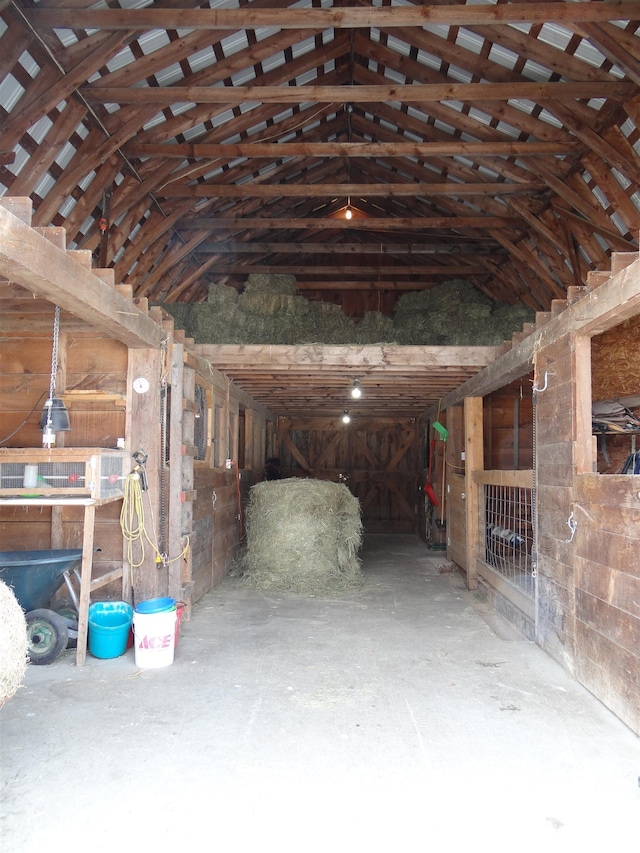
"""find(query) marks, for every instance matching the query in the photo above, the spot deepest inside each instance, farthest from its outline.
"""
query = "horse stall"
(543, 506)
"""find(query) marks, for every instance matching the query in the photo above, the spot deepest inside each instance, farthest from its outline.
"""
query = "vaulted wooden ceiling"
(188, 144)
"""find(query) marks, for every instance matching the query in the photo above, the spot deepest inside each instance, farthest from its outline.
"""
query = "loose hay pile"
(302, 536)
(13, 643)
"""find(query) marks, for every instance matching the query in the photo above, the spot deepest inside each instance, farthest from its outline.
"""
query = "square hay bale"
(302, 536)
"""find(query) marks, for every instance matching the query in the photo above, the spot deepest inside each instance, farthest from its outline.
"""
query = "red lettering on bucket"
(156, 642)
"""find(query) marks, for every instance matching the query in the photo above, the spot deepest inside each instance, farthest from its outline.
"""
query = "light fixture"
(346, 418)
(55, 417)
(356, 391)
(348, 212)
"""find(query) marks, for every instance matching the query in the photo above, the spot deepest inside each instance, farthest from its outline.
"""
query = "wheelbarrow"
(35, 576)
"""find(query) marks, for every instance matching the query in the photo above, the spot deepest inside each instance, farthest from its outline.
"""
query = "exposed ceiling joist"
(369, 150)
(362, 94)
(336, 18)
(390, 190)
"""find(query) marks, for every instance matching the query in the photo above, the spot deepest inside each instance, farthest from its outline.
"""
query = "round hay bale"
(13, 643)
(302, 536)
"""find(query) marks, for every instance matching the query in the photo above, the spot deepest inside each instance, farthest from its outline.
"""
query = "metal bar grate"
(509, 534)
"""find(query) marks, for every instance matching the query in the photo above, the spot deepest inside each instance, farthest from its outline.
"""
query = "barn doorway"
(376, 458)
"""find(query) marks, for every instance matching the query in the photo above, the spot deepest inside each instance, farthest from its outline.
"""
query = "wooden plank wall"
(93, 382)
(555, 411)
(607, 617)
(94, 370)
(508, 416)
(375, 457)
(589, 578)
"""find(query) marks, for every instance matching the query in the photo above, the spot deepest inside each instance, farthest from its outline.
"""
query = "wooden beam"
(389, 284)
(260, 248)
(473, 446)
(369, 94)
(418, 223)
(346, 273)
(449, 189)
(36, 264)
(336, 18)
(270, 150)
(367, 358)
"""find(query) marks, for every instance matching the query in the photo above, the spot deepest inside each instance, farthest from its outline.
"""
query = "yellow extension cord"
(132, 523)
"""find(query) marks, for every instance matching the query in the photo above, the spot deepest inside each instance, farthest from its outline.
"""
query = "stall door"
(376, 458)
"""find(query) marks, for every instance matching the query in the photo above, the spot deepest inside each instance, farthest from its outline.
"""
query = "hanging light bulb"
(348, 212)
(55, 417)
(346, 418)
(356, 391)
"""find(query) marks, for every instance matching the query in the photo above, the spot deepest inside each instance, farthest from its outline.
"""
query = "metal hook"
(537, 390)
(572, 524)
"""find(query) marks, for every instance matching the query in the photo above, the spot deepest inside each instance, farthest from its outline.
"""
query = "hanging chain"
(54, 352)
(163, 471)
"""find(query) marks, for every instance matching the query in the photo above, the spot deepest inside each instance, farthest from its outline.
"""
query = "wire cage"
(509, 534)
(97, 473)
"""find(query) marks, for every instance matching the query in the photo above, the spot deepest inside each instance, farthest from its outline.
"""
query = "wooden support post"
(143, 432)
(584, 458)
(179, 527)
(474, 444)
(85, 583)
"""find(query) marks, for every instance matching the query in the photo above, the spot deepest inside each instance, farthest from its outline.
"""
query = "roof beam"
(248, 188)
(366, 94)
(279, 150)
(336, 18)
(419, 223)
(346, 271)
(449, 248)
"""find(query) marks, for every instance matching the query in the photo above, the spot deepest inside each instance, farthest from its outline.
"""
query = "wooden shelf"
(87, 584)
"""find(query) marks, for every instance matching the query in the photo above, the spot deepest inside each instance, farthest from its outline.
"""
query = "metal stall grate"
(509, 534)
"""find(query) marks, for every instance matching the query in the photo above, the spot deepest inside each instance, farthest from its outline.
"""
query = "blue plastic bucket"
(109, 628)
(155, 605)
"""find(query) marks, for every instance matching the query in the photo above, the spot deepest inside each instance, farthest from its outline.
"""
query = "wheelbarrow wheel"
(47, 636)
(66, 608)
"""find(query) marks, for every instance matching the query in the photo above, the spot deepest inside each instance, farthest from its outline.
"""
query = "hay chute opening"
(302, 536)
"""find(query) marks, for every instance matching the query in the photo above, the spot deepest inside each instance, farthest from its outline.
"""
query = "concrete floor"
(402, 717)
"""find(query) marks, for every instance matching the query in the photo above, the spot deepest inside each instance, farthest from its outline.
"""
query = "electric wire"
(18, 428)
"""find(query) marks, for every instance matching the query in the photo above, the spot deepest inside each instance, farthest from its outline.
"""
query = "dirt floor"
(402, 717)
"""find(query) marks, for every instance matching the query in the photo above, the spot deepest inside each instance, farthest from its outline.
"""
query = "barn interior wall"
(92, 383)
(584, 609)
(203, 496)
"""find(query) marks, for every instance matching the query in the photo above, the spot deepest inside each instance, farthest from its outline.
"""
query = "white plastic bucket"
(154, 638)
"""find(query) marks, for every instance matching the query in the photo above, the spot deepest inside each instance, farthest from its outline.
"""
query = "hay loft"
(271, 311)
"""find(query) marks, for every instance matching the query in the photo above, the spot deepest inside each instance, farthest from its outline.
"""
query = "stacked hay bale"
(13, 643)
(302, 536)
(456, 314)
(375, 328)
(271, 311)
